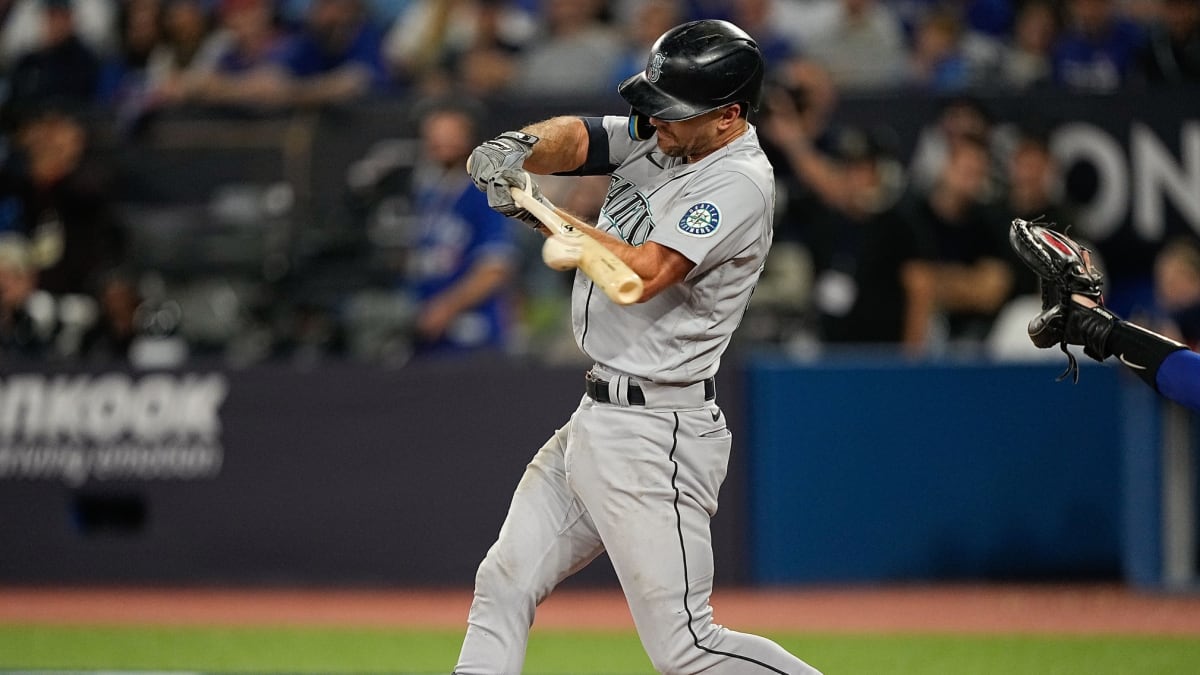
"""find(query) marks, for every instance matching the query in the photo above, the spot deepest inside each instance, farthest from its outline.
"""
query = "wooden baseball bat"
(620, 283)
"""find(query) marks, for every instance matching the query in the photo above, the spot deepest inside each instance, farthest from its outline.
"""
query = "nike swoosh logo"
(1130, 363)
(716, 415)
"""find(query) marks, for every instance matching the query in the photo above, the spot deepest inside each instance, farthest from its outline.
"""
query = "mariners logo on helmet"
(655, 70)
(701, 220)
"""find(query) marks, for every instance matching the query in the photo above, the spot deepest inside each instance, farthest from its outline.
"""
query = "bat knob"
(560, 254)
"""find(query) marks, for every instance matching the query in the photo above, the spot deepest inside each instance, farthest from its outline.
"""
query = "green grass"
(340, 650)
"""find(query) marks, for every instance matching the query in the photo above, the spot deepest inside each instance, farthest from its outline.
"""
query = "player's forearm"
(658, 266)
(562, 145)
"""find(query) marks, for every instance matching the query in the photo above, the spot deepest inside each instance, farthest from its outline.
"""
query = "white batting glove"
(499, 193)
(506, 151)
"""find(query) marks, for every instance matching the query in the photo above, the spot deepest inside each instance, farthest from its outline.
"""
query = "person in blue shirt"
(463, 256)
(338, 53)
(1098, 50)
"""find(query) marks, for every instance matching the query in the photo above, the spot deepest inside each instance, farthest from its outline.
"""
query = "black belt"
(597, 390)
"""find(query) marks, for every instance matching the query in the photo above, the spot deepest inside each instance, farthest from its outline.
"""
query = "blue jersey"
(455, 230)
(1100, 62)
(305, 57)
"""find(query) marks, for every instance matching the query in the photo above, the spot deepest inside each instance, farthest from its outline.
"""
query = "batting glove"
(506, 151)
(499, 193)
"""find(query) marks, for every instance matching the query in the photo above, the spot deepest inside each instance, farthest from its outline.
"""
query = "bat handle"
(621, 284)
(627, 291)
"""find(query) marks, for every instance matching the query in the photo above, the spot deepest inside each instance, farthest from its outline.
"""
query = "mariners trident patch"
(701, 220)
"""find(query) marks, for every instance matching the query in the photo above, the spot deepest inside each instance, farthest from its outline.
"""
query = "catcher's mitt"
(1065, 269)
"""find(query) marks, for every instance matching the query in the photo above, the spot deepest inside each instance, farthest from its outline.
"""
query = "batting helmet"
(694, 68)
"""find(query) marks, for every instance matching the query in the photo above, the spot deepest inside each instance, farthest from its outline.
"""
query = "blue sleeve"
(1179, 378)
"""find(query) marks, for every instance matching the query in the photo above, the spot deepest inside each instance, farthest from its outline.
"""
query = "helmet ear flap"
(640, 128)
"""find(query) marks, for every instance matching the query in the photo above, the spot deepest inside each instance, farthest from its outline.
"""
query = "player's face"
(696, 137)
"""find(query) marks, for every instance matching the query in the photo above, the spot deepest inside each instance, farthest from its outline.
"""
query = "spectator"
(992, 19)
(874, 280)
(337, 56)
(649, 20)
(113, 336)
(189, 50)
(23, 26)
(475, 41)
(758, 18)
(124, 77)
(1098, 50)
(1172, 53)
(251, 71)
(53, 194)
(1026, 60)
(1034, 188)
(1034, 181)
(960, 117)
(797, 134)
(1177, 290)
(576, 54)
(28, 319)
(973, 273)
(937, 61)
(462, 257)
(61, 69)
(860, 42)
(382, 12)
(797, 127)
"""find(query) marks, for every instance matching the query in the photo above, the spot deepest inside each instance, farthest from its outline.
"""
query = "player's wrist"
(1141, 350)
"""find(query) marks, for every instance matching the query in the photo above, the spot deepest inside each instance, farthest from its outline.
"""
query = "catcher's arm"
(1105, 334)
(1073, 309)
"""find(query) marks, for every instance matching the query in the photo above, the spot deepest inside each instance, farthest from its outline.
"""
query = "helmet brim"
(648, 99)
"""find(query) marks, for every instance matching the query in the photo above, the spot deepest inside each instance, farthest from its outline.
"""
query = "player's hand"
(499, 193)
(1073, 310)
(506, 151)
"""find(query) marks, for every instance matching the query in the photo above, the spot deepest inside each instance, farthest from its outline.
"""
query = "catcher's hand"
(1065, 269)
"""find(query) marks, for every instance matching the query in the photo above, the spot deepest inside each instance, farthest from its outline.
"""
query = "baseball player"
(637, 468)
(1073, 313)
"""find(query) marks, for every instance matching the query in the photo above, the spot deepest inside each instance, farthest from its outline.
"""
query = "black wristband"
(596, 163)
(1143, 351)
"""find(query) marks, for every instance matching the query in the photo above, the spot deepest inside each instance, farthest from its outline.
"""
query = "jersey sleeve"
(1178, 378)
(621, 145)
(715, 217)
(608, 146)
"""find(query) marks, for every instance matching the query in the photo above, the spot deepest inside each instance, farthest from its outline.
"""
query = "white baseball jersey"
(639, 478)
(716, 212)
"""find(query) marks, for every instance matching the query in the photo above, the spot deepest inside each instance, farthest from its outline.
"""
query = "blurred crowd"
(871, 247)
(142, 54)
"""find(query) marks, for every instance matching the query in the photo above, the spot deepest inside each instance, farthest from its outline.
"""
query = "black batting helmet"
(694, 68)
